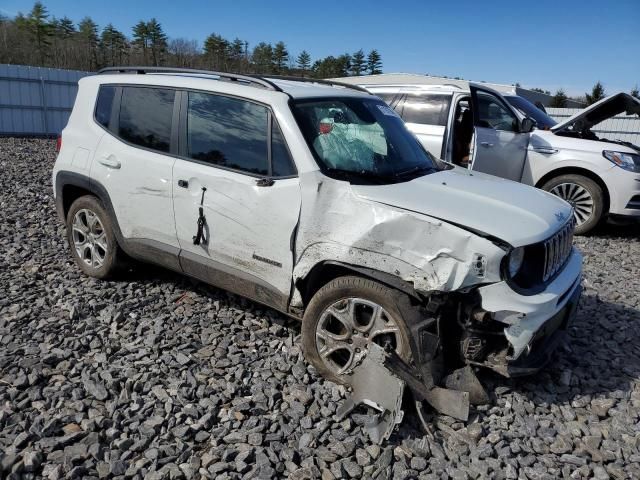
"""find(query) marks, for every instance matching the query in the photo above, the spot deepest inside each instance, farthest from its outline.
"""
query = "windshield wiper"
(416, 169)
(364, 174)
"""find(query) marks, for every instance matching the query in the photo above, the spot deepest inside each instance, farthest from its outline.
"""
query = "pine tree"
(597, 93)
(343, 65)
(88, 39)
(331, 67)
(262, 58)
(141, 39)
(559, 100)
(113, 46)
(304, 62)
(374, 63)
(62, 51)
(64, 28)
(157, 42)
(39, 28)
(237, 55)
(635, 92)
(358, 63)
(216, 50)
(280, 57)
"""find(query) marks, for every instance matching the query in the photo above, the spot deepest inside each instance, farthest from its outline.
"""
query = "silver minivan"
(507, 136)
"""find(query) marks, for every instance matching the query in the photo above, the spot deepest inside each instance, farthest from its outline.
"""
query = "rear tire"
(343, 318)
(584, 195)
(91, 238)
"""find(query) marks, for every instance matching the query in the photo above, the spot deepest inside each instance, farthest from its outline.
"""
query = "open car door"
(500, 144)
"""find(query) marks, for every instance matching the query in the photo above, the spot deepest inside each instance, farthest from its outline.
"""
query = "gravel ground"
(161, 377)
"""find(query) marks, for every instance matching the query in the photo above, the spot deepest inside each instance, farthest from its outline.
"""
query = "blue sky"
(548, 44)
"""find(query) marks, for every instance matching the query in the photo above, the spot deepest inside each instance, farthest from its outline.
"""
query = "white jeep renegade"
(313, 198)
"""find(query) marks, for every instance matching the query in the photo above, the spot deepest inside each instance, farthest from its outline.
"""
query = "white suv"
(480, 129)
(314, 199)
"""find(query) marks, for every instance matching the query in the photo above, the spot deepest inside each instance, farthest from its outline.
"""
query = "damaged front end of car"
(461, 306)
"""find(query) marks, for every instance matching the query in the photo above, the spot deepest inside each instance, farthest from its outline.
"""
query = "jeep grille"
(557, 250)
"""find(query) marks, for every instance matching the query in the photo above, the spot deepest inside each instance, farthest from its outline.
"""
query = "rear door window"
(145, 117)
(426, 109)
(228, 132)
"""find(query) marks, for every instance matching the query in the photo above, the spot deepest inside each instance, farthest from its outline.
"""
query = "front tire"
(584, 195)
(343, 318)
(92, 239)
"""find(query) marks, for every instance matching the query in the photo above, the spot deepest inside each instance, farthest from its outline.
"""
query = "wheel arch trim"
(323, 272)
(66, 179)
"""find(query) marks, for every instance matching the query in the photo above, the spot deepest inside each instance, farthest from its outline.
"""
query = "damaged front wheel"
(344, 318)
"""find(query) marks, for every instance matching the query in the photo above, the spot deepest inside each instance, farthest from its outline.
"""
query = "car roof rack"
(331, 83)
(230, 77)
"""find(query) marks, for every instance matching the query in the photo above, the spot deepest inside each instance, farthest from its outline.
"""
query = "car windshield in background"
(361, 140)
(543, 121)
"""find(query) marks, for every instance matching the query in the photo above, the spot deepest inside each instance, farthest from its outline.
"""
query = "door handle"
(547, 150)
(486, 144)
(183, 183)
(109, 161)
(265, 182)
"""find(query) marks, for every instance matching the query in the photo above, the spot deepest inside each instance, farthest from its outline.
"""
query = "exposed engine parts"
(450, 339)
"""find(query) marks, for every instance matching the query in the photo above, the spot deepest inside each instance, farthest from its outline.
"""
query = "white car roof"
(260, 88)
(444, 89)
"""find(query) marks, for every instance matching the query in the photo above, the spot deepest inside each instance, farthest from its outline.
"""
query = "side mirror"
(527, 125)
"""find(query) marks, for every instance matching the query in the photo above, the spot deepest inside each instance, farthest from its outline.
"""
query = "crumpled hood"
(600, 111)
(513, 212)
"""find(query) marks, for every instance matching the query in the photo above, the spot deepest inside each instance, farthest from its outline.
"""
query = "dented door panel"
(249, 227)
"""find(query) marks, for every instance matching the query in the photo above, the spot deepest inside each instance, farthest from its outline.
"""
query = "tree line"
(597, 93)
(39, 39)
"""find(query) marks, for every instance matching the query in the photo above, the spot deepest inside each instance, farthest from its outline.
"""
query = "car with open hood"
(506, 135)
(314, 199)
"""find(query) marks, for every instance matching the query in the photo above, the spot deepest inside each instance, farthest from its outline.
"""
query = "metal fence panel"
(36, 100)
(621, 127)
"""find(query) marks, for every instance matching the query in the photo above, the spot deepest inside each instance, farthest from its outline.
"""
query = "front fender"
(429, 254)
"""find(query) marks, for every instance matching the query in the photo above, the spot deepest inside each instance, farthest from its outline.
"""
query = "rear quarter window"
(104, 103)
(426, 109)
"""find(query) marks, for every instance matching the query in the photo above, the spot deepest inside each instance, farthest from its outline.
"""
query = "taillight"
(58, 143)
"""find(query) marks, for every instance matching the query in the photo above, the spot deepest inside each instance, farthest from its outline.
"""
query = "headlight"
(628, 161)
(516, 257)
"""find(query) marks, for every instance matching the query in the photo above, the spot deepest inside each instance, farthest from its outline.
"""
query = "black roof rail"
(316, 80)
(231, 77)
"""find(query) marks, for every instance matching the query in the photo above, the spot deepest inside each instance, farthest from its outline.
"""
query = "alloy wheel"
(89, 238)
(579, 198)
(348, 327)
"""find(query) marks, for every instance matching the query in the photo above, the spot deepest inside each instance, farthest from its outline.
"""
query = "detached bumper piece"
(380, 379)
(375, 386)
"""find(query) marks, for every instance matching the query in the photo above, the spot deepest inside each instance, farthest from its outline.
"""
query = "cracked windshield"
(363, 139)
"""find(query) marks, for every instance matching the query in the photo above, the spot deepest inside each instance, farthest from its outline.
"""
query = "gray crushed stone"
(157, 376)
